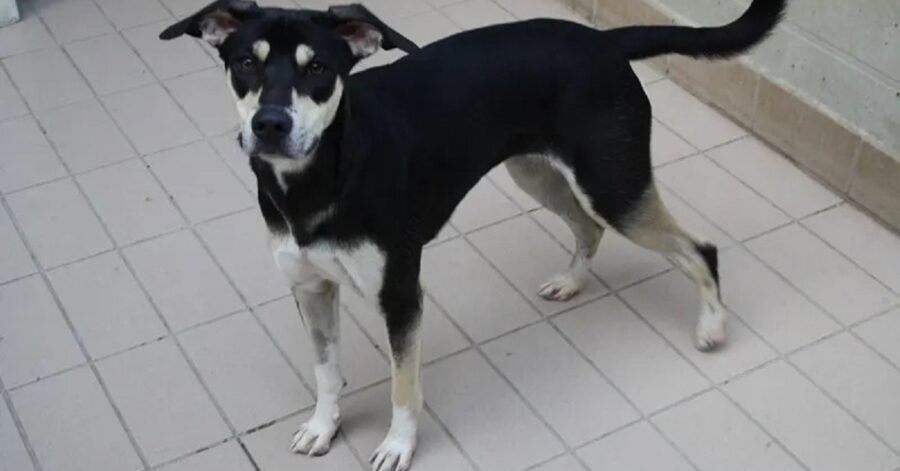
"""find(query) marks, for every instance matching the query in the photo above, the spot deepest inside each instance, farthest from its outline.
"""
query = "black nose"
(271, 124)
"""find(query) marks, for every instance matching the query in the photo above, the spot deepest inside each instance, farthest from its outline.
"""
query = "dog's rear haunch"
(356, 173)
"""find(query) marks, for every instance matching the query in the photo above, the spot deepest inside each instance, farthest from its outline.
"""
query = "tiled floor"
(143, 325)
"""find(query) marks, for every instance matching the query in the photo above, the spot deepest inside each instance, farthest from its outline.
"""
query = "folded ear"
(365, 32)
(214, 22)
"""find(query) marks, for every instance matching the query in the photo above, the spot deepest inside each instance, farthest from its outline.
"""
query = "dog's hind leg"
(317, 301)
(537, 177)
(649, 224)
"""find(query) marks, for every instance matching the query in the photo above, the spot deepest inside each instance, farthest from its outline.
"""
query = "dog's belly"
(360, 268)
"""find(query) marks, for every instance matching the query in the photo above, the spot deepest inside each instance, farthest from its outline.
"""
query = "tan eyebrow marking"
(261, 49)
(303, 55)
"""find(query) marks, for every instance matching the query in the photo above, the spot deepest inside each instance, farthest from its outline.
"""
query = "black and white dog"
(358, 172)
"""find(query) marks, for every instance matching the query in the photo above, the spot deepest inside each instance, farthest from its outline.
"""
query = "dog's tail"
(640, 42)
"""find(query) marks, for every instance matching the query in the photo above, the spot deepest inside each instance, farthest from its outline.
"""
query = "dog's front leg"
(317, 301)
(401, 302)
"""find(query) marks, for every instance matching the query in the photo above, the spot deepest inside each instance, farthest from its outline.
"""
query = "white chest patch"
(360, 268)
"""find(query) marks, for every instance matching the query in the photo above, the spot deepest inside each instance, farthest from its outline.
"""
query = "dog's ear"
(364, 32)
(214, 22)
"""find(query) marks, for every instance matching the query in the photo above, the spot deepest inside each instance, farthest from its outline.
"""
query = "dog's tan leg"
(396, 451)
(317, 302)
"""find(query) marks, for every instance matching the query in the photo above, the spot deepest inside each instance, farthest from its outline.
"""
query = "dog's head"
(287, 67)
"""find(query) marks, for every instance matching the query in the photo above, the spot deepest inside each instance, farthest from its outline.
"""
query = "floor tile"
(24, 36)
(823, 274)
(882, 333)
(490, 306)
(199, 181)
(439, 336)
(502, 180)
(721, 197)
(446, 233)
(716, 435)
(692, 221)
(15, 261)
(671, 304)
(484, 205)
(166, 59)
(819, 433)
(426, 28)
(151, 119)
(646, 73)
(367, 416)
(207, 100)
(47, 79)
(85, 136)
(861, 239)
(471, 14)
(245, 372)
(27, 157)
(227, 147)
(182, 8)
(131, 203)
(183, 281)
(488, 420)
(240, 244)
(530, 9)
(394, 10)
(71, 20)
(574, 399)
(13, 454)
(57, 427)
(701, 125)
(666, 146)
(127, 13)
(36, 340)
(109, 64)
(105, 304)
(58, 223)
(11, 103)
(867, 385)
(528, 257)
(563, 463)
(769, 305)
(637, 448)
(156, 378)
(227, 457)
(270, 448)
(640, 363)
(361, 364)
(773, 176)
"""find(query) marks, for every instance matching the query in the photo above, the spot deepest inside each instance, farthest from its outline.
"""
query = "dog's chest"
(360, 267)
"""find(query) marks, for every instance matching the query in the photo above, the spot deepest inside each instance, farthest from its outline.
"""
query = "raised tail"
(640, 42)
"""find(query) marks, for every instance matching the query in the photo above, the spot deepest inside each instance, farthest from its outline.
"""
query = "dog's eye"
(246, 64)
(315, 68)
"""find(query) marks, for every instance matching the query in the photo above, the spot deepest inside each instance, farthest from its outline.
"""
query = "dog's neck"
(303, 198)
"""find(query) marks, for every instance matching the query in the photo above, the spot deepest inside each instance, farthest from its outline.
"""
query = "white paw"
(314, 437)
(561, 287)
(710, 331)
(395, 452)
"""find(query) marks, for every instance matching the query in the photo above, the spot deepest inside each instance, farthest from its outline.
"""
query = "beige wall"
(842, 56)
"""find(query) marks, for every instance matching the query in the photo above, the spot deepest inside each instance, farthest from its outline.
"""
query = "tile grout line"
(176, 341)
(785, 357)
(20, 427)
(715, 385)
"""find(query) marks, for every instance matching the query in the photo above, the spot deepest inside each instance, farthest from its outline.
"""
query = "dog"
(356, 173)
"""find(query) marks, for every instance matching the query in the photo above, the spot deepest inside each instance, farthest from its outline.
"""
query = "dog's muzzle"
(271, 125)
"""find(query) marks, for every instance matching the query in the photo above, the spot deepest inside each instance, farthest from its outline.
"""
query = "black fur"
(412, 138)
(710, 255)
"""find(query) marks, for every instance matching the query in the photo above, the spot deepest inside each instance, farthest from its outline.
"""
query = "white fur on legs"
(561, 287)
(314, 437)
(710, 331)
(396, 451)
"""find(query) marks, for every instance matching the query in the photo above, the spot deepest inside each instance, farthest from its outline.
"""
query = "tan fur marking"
(261, 49)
